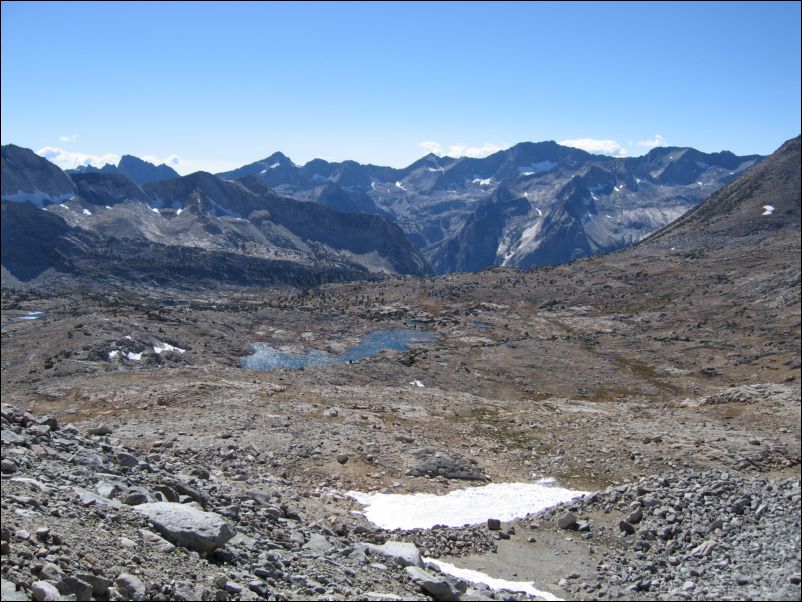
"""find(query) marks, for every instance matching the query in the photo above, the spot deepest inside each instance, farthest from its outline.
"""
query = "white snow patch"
(37, 197)
(86, 212)
(276, 165)
(161, 347)
(417, 384)
(154, 210)
(134, 356)
(435, 169)
(482, 181)
(113, 354)
(263, 171)
(128, 336)
(180, 211)
(527, 587)
(539, 212)
(398, 184)
(768, 209)
(221, 209)
(63, 205)
(108, 207)
(504, 501)
(539, 167)
(617, 188)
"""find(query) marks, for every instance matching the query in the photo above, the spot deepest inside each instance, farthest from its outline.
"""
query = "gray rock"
(342, 458)
(135, 498)
(100, 585)
(184, 590)
(50, 572)
(8, 591)
(130, 586)
(108, 488)
(89, 498)
(126, 459)
(9, 437)
(436, 586)
(402, 552)
(8, 466)
(100, 429)
(567, 521)
(318, 544)
(626, 527)
(259, 587)
(187, 527)
(77, 587)
(156, 541)
(705, 548)
(635, 517)
(44, 591)
(493, 524)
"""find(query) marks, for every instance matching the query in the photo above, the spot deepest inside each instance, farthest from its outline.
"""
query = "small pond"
(266, 357)
(31, 315)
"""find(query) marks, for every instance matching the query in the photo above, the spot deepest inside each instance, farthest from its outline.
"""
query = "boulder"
(436, 586)
(186, 526)
(402, 552)
(130, 586)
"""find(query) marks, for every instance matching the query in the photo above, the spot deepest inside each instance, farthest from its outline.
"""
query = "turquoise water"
(266, 357)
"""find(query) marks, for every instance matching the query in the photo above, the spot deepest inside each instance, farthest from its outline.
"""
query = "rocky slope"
(25, 176)
(449, 207)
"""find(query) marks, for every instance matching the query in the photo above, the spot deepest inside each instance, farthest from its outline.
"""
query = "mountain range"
(188, 231)
(273, 221)
(133, 168)
(530, 205)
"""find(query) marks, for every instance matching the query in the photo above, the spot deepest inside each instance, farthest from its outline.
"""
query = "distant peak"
(278, 157)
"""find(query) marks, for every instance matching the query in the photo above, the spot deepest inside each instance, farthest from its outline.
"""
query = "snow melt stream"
(504, 501)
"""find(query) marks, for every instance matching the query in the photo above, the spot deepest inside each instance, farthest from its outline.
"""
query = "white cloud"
(70, 160)
(431, 147)
(599, 147)
(72, 138)
(461, 150)
(658, 141)
(173, 161)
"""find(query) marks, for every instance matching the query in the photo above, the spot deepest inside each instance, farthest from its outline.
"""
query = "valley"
(662, 380)
(676, 361)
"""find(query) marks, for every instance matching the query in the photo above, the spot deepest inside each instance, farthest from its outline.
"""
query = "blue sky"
(214, 86)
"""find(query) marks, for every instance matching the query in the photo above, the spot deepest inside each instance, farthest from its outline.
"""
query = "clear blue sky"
(221, 85)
